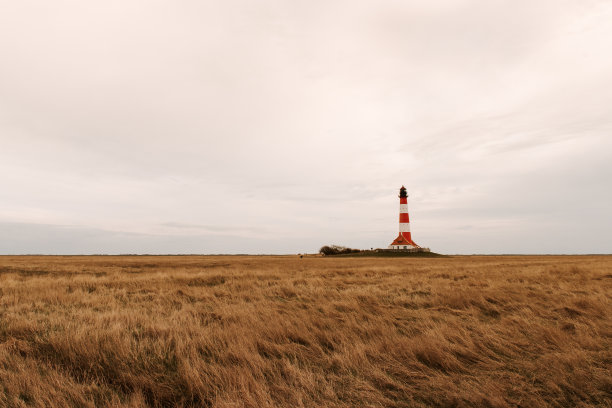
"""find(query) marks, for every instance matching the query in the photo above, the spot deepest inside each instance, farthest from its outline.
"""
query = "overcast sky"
(277, 126)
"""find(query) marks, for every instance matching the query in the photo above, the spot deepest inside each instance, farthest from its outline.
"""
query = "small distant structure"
(404, 242)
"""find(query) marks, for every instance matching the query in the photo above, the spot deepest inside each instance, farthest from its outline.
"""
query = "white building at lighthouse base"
(402, 247)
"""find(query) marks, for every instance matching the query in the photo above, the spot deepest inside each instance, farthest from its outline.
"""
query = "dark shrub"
(336, 250)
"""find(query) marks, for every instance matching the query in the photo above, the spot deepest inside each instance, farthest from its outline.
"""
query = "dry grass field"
(495, 331)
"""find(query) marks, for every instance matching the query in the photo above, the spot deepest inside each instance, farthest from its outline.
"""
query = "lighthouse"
(404, 239)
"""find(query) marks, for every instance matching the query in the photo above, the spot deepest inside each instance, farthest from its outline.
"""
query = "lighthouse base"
(403, 241)
(404, 248)
(401, 247)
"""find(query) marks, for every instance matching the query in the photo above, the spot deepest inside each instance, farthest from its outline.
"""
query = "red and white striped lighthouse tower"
(404, 239)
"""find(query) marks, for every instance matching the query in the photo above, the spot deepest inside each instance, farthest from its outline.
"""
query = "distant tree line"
(336, 250)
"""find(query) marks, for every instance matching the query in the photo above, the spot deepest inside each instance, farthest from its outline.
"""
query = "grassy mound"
(391, 254)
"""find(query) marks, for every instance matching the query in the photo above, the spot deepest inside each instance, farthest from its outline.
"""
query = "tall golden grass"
(529, 331)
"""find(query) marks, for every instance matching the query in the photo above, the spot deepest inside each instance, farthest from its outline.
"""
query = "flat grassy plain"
(247, 331)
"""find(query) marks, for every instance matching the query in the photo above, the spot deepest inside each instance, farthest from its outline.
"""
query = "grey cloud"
(210, 228)
(46, 239)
